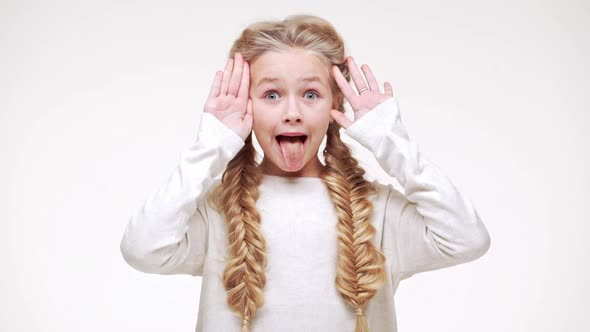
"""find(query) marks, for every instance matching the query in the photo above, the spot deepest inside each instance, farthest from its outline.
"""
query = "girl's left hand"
(368, 97)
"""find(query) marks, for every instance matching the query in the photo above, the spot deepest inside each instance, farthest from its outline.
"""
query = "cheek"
(262, 122)
(258, 112)
(323, 116)
(255, 107)
(322, 120)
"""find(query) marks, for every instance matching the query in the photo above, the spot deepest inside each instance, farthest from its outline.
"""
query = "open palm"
(369, 96)
(228, 99)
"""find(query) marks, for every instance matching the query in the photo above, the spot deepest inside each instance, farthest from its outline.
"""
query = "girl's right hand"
(228, 99)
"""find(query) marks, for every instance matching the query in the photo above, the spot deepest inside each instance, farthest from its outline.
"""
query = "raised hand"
(368, 96)
(228, 99)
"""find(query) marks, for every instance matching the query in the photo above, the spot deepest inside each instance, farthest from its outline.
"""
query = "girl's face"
(291, 104)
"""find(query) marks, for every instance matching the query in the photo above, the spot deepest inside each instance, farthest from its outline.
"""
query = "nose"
(292, 114)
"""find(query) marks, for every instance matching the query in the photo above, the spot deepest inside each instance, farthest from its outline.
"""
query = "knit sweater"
(177, 231)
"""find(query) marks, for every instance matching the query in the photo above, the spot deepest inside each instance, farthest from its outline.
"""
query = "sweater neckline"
(291, 179)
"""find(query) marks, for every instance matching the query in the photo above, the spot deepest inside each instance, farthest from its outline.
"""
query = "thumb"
(247, 121)
(341, 119)
(248, 116)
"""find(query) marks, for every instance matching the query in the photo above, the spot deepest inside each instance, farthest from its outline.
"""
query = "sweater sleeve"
(436, 226)
(167, 234)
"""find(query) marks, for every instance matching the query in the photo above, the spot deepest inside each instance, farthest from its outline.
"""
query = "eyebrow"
(304, 79)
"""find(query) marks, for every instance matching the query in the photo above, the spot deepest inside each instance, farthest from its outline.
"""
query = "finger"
(341, 119)
(236, 75)
(226, 76)
(343, 83)
(214, 92)
(244, 85)
(388, 89)
(373, 85)
(248, 115)
(248, 120)
(358, 79)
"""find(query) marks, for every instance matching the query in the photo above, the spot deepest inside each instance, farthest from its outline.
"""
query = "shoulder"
(385, 187)
(208, 203)
(388, 196)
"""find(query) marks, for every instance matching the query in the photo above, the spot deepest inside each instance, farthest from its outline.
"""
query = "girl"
(292, 242)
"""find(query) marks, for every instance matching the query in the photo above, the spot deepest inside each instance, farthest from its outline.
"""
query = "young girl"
(292, 242)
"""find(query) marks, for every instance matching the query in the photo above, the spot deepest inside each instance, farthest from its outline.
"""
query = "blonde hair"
(360, 266)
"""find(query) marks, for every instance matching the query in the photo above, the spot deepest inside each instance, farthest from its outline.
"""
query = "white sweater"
(177, 231)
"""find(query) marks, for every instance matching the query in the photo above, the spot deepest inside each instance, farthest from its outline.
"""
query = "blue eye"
(312, 93)
(271, 94)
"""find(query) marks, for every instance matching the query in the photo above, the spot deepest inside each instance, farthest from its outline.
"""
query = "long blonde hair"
(360, 266)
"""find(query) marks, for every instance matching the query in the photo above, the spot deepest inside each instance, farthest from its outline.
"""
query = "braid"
(244, 276)
(360, 270)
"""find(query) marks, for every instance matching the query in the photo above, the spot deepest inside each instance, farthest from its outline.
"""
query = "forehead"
(295, 65)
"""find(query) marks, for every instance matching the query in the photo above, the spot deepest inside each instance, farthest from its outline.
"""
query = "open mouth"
(292, 150)
(292, 139)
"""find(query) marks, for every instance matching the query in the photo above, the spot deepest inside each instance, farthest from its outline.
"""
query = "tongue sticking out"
(292, 149)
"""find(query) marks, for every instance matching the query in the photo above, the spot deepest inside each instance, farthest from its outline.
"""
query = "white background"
(98, 99)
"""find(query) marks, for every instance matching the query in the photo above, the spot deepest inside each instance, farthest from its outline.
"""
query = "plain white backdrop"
(99, 98)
